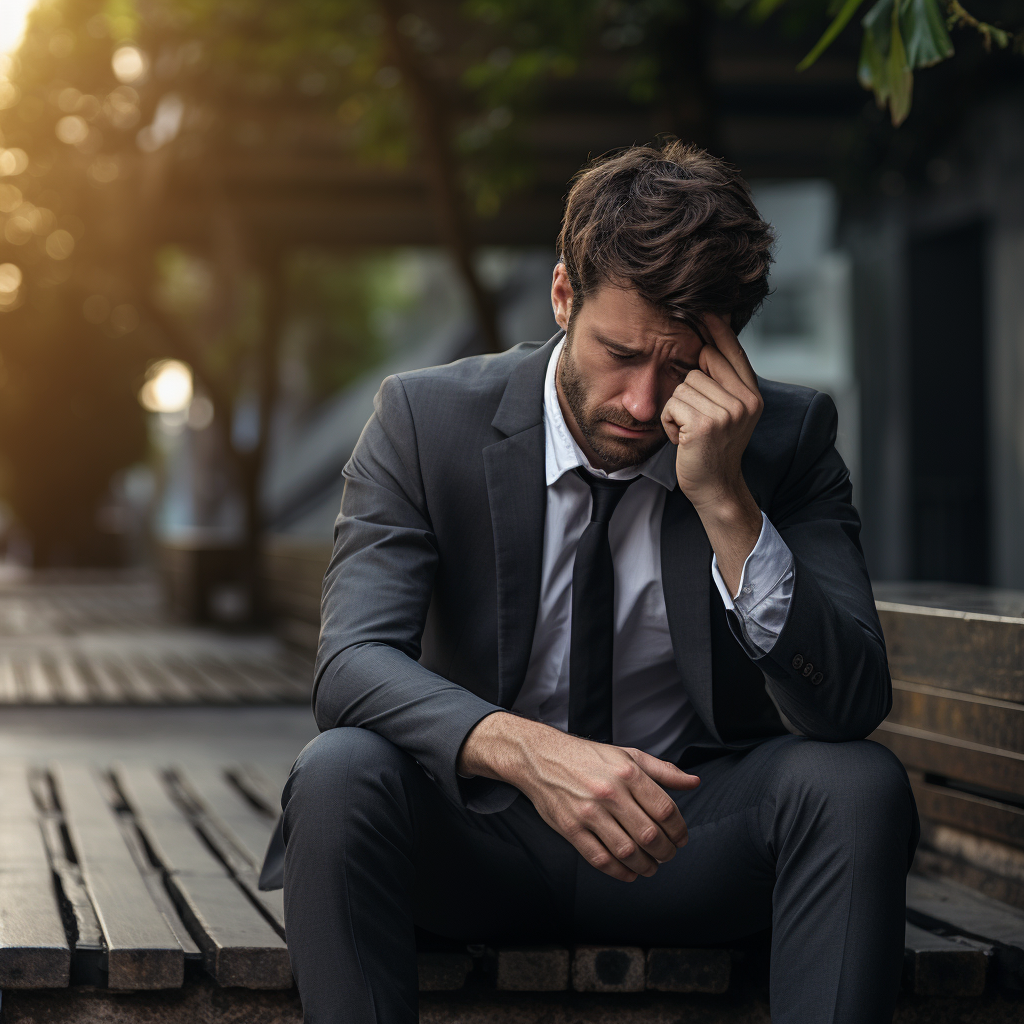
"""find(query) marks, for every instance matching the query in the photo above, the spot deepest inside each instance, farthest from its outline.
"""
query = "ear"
(561, 295)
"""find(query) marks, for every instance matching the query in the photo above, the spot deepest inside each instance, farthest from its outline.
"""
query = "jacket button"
(817, 678)
(808, 669)
(798, 661)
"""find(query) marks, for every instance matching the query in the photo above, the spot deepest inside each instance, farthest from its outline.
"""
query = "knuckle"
(625, 851)
(648, 835)
(664, 811)
(602, 791)
(627, 770)
(602, 860)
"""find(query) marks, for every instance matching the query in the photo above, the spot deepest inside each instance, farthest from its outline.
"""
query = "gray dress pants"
(809, 838)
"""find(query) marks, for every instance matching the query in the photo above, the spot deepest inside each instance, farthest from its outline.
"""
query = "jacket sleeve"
(827, 671)
(375, 598)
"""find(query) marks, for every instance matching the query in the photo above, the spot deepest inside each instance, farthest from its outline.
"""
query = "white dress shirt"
(650, 708)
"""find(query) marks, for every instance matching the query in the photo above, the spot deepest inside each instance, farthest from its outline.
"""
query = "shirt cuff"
(762, 601)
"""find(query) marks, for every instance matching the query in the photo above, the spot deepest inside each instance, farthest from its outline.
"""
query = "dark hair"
(676, 224)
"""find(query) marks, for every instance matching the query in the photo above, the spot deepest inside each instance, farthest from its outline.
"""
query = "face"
(621, 362)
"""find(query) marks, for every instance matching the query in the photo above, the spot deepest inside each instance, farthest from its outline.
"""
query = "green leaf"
(924, 29)
(878, 23)
(872, 70)
(901, 78)
(848, 10)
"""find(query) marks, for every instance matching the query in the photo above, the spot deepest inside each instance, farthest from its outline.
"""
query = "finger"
(729, 345)
(693, 413)
(662, 809)
(735, 403)
(717, 368)
(597, 855)
(620, 838)
(669, 424)
(664, 772)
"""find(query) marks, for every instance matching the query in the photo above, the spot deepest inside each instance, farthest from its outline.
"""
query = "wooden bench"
(135, 886)
(956, 655)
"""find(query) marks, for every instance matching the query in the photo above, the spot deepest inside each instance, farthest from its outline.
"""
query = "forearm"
(732, 521)
(503, 745)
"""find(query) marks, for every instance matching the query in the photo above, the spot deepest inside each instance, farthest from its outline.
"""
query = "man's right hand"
(607, 801)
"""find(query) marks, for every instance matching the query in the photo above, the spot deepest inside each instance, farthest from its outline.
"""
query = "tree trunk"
(252, 464)
(433, 128)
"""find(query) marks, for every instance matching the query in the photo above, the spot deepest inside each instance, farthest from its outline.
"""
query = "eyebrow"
(620, 347)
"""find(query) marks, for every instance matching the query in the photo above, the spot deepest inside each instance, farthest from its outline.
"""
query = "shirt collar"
(562, 454)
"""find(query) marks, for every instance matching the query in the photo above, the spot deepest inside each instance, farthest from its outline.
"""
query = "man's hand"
(710, 418)
(607, 801)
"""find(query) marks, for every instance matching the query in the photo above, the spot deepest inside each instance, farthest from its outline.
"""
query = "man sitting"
(597, 614)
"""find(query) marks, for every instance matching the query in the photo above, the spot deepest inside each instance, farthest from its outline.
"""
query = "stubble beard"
(614, 452)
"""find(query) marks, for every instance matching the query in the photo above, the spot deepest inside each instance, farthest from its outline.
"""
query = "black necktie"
(593, 617)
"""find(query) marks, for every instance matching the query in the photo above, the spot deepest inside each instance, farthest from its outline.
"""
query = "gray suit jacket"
(430, 600)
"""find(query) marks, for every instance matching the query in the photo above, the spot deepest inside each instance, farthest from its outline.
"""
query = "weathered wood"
(240, 947)
(8, 682)
(976, 763)
(959, 638)
(943, 906)
(34, 951)
(937, 966)
(977, 814)
(244, 826)
(689, 970)
(443, 971)
(967, 717)
(142, 952)
(89, 952)
(533, 969)
(74, 686)
(231, 850)
(608, 969)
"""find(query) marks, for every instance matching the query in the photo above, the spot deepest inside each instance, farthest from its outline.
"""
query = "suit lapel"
(517, 495)
(686, 580)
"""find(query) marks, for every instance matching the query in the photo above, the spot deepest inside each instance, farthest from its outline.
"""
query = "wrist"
(495, 747)
(729, 508)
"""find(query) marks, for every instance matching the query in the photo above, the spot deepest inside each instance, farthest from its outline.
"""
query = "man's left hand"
(710, 418)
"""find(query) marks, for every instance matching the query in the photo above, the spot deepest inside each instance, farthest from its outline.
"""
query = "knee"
(342, 768)
(859, 779)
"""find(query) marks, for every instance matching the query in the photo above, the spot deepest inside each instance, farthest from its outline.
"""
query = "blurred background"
(223, 222)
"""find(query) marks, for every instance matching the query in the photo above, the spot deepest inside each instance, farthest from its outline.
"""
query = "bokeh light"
(129, 64)
(13, 15)
(168, 387)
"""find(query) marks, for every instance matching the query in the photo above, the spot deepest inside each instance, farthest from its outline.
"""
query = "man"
(599, 651)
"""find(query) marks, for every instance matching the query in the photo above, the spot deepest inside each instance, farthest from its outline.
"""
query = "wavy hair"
(676, 224)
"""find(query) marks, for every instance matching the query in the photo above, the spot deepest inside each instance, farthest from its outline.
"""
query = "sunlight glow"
(168, 387)
(13, 16)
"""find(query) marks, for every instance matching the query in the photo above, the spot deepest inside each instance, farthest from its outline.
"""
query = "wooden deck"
(106, 640)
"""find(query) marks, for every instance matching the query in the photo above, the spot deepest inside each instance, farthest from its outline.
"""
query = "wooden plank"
(34, 951)
(39, 686)
(240, 947)
(230, 848)
(242, 824)
(75, 689)
(985, 720)
(262, 783)
(966, 651)
(938, 966)
(108, 686)
(943, 906)
(954, 758)
(173, 685)
(142, 952)
(212, 690)
(977, 814)
(8, 684)
(137, 685)
(89, 954)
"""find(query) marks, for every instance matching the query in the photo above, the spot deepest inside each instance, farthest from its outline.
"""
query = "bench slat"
(142, 952)
(241, 949)
(993, 723)
(34, 951)
(1001, 822)
(937, 966)
(249, 830)
(932, 901)
(225, 840)
(958, 759)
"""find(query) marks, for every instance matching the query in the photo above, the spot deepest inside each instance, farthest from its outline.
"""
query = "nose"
(640, 399)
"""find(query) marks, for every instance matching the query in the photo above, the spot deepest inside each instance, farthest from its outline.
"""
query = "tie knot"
(606, 494)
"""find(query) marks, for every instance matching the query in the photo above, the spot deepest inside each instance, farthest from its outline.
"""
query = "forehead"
(622, 315)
